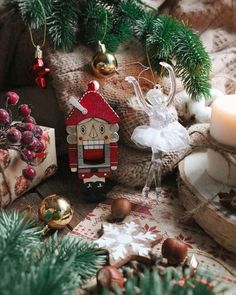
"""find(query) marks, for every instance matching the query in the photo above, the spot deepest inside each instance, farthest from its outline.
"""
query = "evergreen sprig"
(115, 22)
(62, 23)
(151, 282)
(28, 266)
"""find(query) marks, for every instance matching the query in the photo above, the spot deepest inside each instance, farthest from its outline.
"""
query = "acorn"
(120, 208)
(110, 277)
(174, 251)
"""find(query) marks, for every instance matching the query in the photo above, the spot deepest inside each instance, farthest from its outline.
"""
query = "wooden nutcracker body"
(92, 127)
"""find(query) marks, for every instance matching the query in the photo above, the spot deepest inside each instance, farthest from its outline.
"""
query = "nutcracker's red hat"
(96, 107)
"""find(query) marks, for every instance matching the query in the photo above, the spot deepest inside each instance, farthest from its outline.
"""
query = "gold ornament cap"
(104, 64)
(101, 47)
(55, 211)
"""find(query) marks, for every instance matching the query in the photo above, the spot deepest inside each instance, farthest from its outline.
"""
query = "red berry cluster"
(24, 136)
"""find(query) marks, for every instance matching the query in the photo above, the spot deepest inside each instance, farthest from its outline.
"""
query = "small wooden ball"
(120, 208)
(110, 277)
(174, 251)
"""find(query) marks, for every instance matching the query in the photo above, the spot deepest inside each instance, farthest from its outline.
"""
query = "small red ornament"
(24, 110)
(39, 69)
(29, 119)
(27, 137)
(29, 127)
(4, 116)
(33, 146)
(29, 172)
(12, 98)
(13, 135)
(174, 251)
(27, 154)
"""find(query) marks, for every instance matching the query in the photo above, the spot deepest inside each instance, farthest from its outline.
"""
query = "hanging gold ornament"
(103, 64)
(55, 211)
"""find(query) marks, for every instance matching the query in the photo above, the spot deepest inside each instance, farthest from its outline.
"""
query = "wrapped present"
(12, 181)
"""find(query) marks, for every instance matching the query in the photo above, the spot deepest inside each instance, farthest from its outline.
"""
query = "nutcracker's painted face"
(94, 133)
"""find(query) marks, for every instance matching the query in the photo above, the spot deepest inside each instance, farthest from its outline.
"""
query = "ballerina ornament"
(162, 134)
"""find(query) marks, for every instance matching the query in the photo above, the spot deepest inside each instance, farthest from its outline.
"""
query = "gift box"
(12, 182)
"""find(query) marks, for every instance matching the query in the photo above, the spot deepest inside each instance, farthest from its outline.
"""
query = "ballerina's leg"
(149, 180)
(157, 177)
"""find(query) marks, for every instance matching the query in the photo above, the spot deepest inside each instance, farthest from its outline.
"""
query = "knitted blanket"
(70, 72)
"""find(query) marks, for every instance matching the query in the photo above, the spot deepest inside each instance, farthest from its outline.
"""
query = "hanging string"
(150, 66)
(44, 31)
(105, 31)
(142, 71)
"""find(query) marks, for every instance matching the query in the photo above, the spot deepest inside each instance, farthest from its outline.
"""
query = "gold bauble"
(55, 211)
(104, 64)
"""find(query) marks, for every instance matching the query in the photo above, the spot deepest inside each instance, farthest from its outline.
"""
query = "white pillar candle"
(223, 120)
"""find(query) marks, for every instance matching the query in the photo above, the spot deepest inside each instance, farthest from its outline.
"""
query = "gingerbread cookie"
(127, 241)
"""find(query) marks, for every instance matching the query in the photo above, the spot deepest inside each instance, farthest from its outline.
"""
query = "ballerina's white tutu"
(162, 134)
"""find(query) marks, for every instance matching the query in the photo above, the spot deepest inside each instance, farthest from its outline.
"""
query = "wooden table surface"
(63, 183)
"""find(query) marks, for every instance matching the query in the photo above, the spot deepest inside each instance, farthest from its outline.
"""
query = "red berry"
(20, 126)
(27, 137)
(29, 119)
(27, 154)
(29, 127)
(4, 116)
(38, 132)
(12, 98)
(13, 135)
(41, 147)
(24, 110)
(33, 145)
(29, 172)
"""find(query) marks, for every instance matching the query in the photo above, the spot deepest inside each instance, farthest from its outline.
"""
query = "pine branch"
(33, 12)
(115, 22)
(151, 282)
(192, 62)
(96, 24)
(62, 23)
(167, 39)
(56, 267)
(18, 238)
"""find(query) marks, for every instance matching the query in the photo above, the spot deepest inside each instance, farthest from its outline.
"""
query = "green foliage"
(152, 283)
(34, 12)
(62, 23)
(28, 266)
(17, 237)
(115, 22)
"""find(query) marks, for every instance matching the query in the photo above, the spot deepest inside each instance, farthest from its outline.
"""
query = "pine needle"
(58, 266)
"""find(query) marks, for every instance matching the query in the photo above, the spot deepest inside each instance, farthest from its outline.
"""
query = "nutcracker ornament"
(92, 127)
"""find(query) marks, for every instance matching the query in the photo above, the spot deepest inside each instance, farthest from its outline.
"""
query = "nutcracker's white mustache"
(93, 144)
